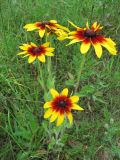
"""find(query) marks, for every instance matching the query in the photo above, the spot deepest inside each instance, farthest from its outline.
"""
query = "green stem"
(40, 77)
(79, 73)
(49, 66)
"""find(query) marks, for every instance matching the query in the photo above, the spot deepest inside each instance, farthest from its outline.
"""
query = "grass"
(24, 133)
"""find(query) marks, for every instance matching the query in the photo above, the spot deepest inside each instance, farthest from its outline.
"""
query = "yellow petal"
(49, 54)
(30, 27)
(41, 32)
(23, 47)
(50, 49)
(73, 24)
(46, 44)
(53, 21)
(73, 41)
(70, 117)
(26, 46)
(31, 59)
(74, 99)
(54, 117)
(94, 25)
(41, 58)
(112, 49)
(47, 105)
(64, 92)
(87, 25)
(48, 113)
(110, 41)
(77, 107)
(54, 93)
(33, 44)
(21, 53)
(62, 27)
(26, 55)
(61, 38)
(85, 47)
(98, 49)
(72, 33)
(60, 119)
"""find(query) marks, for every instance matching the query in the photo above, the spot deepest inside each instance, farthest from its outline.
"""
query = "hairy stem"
(40, 77)
(79, 73)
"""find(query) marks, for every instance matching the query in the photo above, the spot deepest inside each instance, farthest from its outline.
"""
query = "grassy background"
(23, 131)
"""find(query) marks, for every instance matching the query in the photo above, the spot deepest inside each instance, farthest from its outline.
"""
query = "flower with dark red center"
(92, 36)
(44, 26)
(34, 51)
(61, 106)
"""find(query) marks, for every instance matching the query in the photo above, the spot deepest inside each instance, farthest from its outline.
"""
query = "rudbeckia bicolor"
(61, 106)
(34, 51)
(44, 26)
(92, 36)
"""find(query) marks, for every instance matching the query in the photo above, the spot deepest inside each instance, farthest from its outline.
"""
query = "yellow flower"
(61, 106)
(92, 36)
(34, 51)
(44, 26)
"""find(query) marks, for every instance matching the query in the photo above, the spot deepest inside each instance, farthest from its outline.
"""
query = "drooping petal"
(70, 117)
(62, 27)
(110, 41)
(85, 46)
(41, 32)
(31, 59)
(77, 107)
(47, 105)
(48, 113)
(112, 49)
(64, 92)
(98, 49)
(41, 58)
(54, 93)
(54, 117)
(74, 99)
(60, 119)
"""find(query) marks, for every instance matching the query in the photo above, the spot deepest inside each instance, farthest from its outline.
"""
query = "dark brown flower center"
(45, 23)
(36, 50)
(90, 33)
(62, 104)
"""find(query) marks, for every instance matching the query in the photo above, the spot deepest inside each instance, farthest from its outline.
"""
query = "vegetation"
(24, 133)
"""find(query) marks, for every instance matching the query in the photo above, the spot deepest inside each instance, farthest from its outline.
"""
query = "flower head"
(44, 26)
(61, 106)
(92, 36)
(34, 51)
